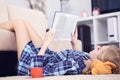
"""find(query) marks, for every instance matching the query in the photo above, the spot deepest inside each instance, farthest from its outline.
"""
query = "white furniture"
(99, 28)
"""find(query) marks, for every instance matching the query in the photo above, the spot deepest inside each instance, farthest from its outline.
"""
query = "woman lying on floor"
(34, 52)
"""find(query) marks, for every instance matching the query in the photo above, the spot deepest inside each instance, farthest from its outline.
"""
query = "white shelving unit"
(99, 28)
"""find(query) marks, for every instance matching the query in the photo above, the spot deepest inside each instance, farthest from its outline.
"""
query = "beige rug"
(70, 77)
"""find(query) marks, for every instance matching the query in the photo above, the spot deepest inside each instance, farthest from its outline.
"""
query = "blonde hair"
(112, 54)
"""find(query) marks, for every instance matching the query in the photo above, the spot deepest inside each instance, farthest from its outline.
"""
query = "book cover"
(64, 24)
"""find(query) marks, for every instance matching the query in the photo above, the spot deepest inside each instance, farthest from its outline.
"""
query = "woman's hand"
(47, 40)
(86, 70)
(74, 37)
(49, 36)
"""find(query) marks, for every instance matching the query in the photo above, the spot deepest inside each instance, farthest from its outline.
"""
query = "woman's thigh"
(37, 40)
(22, 36)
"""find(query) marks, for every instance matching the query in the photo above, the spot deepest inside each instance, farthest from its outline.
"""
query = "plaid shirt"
(67, 62)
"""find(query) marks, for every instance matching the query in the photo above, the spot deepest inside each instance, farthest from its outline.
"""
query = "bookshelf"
(100, 34)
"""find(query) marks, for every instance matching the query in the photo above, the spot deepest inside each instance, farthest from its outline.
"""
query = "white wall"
(21, 3)
(51, 7)
(73, 6)
(76, 6)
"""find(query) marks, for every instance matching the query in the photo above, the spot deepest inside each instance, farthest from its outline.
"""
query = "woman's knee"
(21, 22)
(17, 22)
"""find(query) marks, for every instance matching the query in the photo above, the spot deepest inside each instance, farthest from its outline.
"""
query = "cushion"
(36, 18)
(7, 40)
(3, 12)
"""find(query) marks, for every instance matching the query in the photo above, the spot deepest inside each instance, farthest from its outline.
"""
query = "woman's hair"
(112, 54)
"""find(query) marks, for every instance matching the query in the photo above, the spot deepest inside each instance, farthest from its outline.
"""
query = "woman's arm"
(74, 41)
(48, 38)
(74, 37)
(86, 70)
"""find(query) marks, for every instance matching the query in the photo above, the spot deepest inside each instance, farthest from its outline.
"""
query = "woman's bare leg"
(23, 36)
(33, 34)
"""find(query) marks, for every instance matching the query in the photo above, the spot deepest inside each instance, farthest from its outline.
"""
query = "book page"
(64, 24)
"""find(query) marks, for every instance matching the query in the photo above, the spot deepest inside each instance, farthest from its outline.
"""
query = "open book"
(64, 24)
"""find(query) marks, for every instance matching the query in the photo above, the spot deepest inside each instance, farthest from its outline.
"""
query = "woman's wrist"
(74, 43)
(46, 43)
(43, 49)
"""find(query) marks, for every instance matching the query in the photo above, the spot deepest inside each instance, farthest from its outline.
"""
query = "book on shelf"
(112, 29)
(64, 24)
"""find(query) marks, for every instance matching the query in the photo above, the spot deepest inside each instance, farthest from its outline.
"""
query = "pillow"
(36, 18)
(3, 12)
(7, 41)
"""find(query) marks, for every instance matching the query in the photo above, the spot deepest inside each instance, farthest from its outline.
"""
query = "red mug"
(36, 72)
